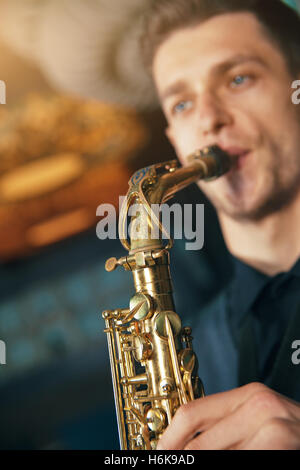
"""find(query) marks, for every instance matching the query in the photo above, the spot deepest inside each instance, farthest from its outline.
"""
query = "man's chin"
(243, 215)
(253, 211)
(235, 201)
(239, 212)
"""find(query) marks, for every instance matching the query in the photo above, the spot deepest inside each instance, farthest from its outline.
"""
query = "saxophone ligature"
(153, 365)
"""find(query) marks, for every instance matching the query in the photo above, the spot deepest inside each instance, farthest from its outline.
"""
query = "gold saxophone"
(154, 368)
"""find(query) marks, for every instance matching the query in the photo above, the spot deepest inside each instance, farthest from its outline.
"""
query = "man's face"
(225, 82)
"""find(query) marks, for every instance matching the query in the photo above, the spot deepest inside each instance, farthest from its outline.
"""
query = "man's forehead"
(219, 68)
(218, 40)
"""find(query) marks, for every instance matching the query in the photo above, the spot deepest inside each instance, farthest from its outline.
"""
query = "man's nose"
(211, 114)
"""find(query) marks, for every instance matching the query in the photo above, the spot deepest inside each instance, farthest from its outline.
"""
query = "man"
(223, 72)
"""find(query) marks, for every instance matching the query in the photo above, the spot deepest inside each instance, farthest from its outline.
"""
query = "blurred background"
(80, 117)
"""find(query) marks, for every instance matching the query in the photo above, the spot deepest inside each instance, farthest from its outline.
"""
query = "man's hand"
(250, 417)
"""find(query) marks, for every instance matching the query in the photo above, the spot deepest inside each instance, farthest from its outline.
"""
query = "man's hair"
(280, 22)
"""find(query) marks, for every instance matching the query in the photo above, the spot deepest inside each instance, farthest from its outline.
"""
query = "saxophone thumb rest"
(153, 365)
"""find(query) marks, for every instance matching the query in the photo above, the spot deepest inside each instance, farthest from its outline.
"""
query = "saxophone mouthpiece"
(217, 162)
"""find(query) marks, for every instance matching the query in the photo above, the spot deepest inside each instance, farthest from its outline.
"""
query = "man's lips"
(238, 155)
(241, 159)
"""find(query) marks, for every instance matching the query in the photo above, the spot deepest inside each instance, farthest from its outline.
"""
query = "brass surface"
(154, 368)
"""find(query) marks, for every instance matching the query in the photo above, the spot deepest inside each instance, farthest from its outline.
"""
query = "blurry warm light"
(59, 227)
(40, 177)
(59, 155)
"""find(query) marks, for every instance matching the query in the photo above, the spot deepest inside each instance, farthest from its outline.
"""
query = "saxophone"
(153, 365)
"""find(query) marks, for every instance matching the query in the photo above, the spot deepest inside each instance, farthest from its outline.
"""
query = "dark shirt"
(246, 334)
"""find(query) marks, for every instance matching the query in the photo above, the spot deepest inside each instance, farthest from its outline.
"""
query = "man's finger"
(248, 419)
(201, 414)
(278, 433)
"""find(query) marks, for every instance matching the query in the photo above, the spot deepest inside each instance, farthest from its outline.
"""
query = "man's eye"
(239, 80)
(181, 106)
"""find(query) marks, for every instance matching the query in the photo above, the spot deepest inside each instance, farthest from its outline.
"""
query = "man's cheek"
(190, 142)
(185, 145)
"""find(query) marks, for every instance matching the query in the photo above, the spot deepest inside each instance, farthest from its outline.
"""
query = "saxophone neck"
(154, 185)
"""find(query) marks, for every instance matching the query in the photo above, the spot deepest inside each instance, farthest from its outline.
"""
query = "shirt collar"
(247, 285)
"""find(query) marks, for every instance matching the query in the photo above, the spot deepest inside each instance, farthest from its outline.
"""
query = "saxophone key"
(156, 419)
